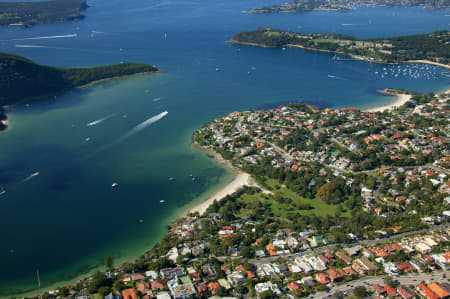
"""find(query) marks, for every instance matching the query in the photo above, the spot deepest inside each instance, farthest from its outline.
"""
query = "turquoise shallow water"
(66, 219)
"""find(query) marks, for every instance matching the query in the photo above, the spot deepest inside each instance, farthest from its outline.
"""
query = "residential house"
(129, 294)
(267, 286)
(405, 293)
(181, 291)
(439, 290)
(426, 292)
(170, 273)
(345, 258)
(209, 270)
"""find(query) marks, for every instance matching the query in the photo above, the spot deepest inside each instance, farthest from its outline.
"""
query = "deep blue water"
(65, 220)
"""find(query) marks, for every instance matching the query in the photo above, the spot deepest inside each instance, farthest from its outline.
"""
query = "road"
(368, 282)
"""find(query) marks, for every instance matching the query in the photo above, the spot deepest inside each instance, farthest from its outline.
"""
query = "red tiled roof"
(438, 290)
(404, 292)
(157, 285)
(390, 291)
(427, 292)
(322, 278)
(294, 286)
(129, 294)
(202, 288)
(379, 289)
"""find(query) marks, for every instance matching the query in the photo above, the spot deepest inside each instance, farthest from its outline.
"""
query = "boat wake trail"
(142, 126)
(42, 37)
(96, 122)
(351, 24)
(30, 46)
(336, 77)
(30, 177)
(130, 133)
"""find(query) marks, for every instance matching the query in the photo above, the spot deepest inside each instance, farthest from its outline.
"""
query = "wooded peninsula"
(22, 79)
(345, 5)
(27, 14)
(433, 47)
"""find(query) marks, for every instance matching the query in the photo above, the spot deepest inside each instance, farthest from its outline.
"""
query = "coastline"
(352, 56)
(119, 77)
(241, 179)
(232, 41)
(400, 100)
(429, 62)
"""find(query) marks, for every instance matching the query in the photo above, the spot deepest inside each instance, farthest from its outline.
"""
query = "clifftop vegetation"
(432, 46)
(344, 5)
(22, 79)
(32, 13)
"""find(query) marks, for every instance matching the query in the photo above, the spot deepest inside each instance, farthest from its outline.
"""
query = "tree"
(104, 291)
(98, 280)
(241, 289)
(119, 286)
(267, 295)
(360, 291)
(388, 280)
(329, 193)
(109, 262)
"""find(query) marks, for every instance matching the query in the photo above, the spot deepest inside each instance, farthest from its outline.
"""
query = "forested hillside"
(31, 13)
(433, 46)
(21, 79)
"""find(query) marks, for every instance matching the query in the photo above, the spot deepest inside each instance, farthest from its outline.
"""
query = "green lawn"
(185, 279)
(287, 209)
(96, 296)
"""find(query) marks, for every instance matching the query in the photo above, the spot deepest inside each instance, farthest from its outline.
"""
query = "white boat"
(114, 184)
(87, 139)
(171, 179)
(162, 201)
(217, 69)
(2, 191)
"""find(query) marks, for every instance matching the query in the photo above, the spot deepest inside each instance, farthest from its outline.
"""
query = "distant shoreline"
(356, 58)
(429, 62)
(120, 77)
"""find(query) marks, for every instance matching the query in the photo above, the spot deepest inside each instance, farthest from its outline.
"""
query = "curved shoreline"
(5, 107)
(400, 100)
(241, 179)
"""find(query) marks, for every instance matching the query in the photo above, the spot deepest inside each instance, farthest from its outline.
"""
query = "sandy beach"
(241, 180)
(401, 99)
(429, 62)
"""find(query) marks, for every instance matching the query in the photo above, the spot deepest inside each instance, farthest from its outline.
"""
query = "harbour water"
(64, 220)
